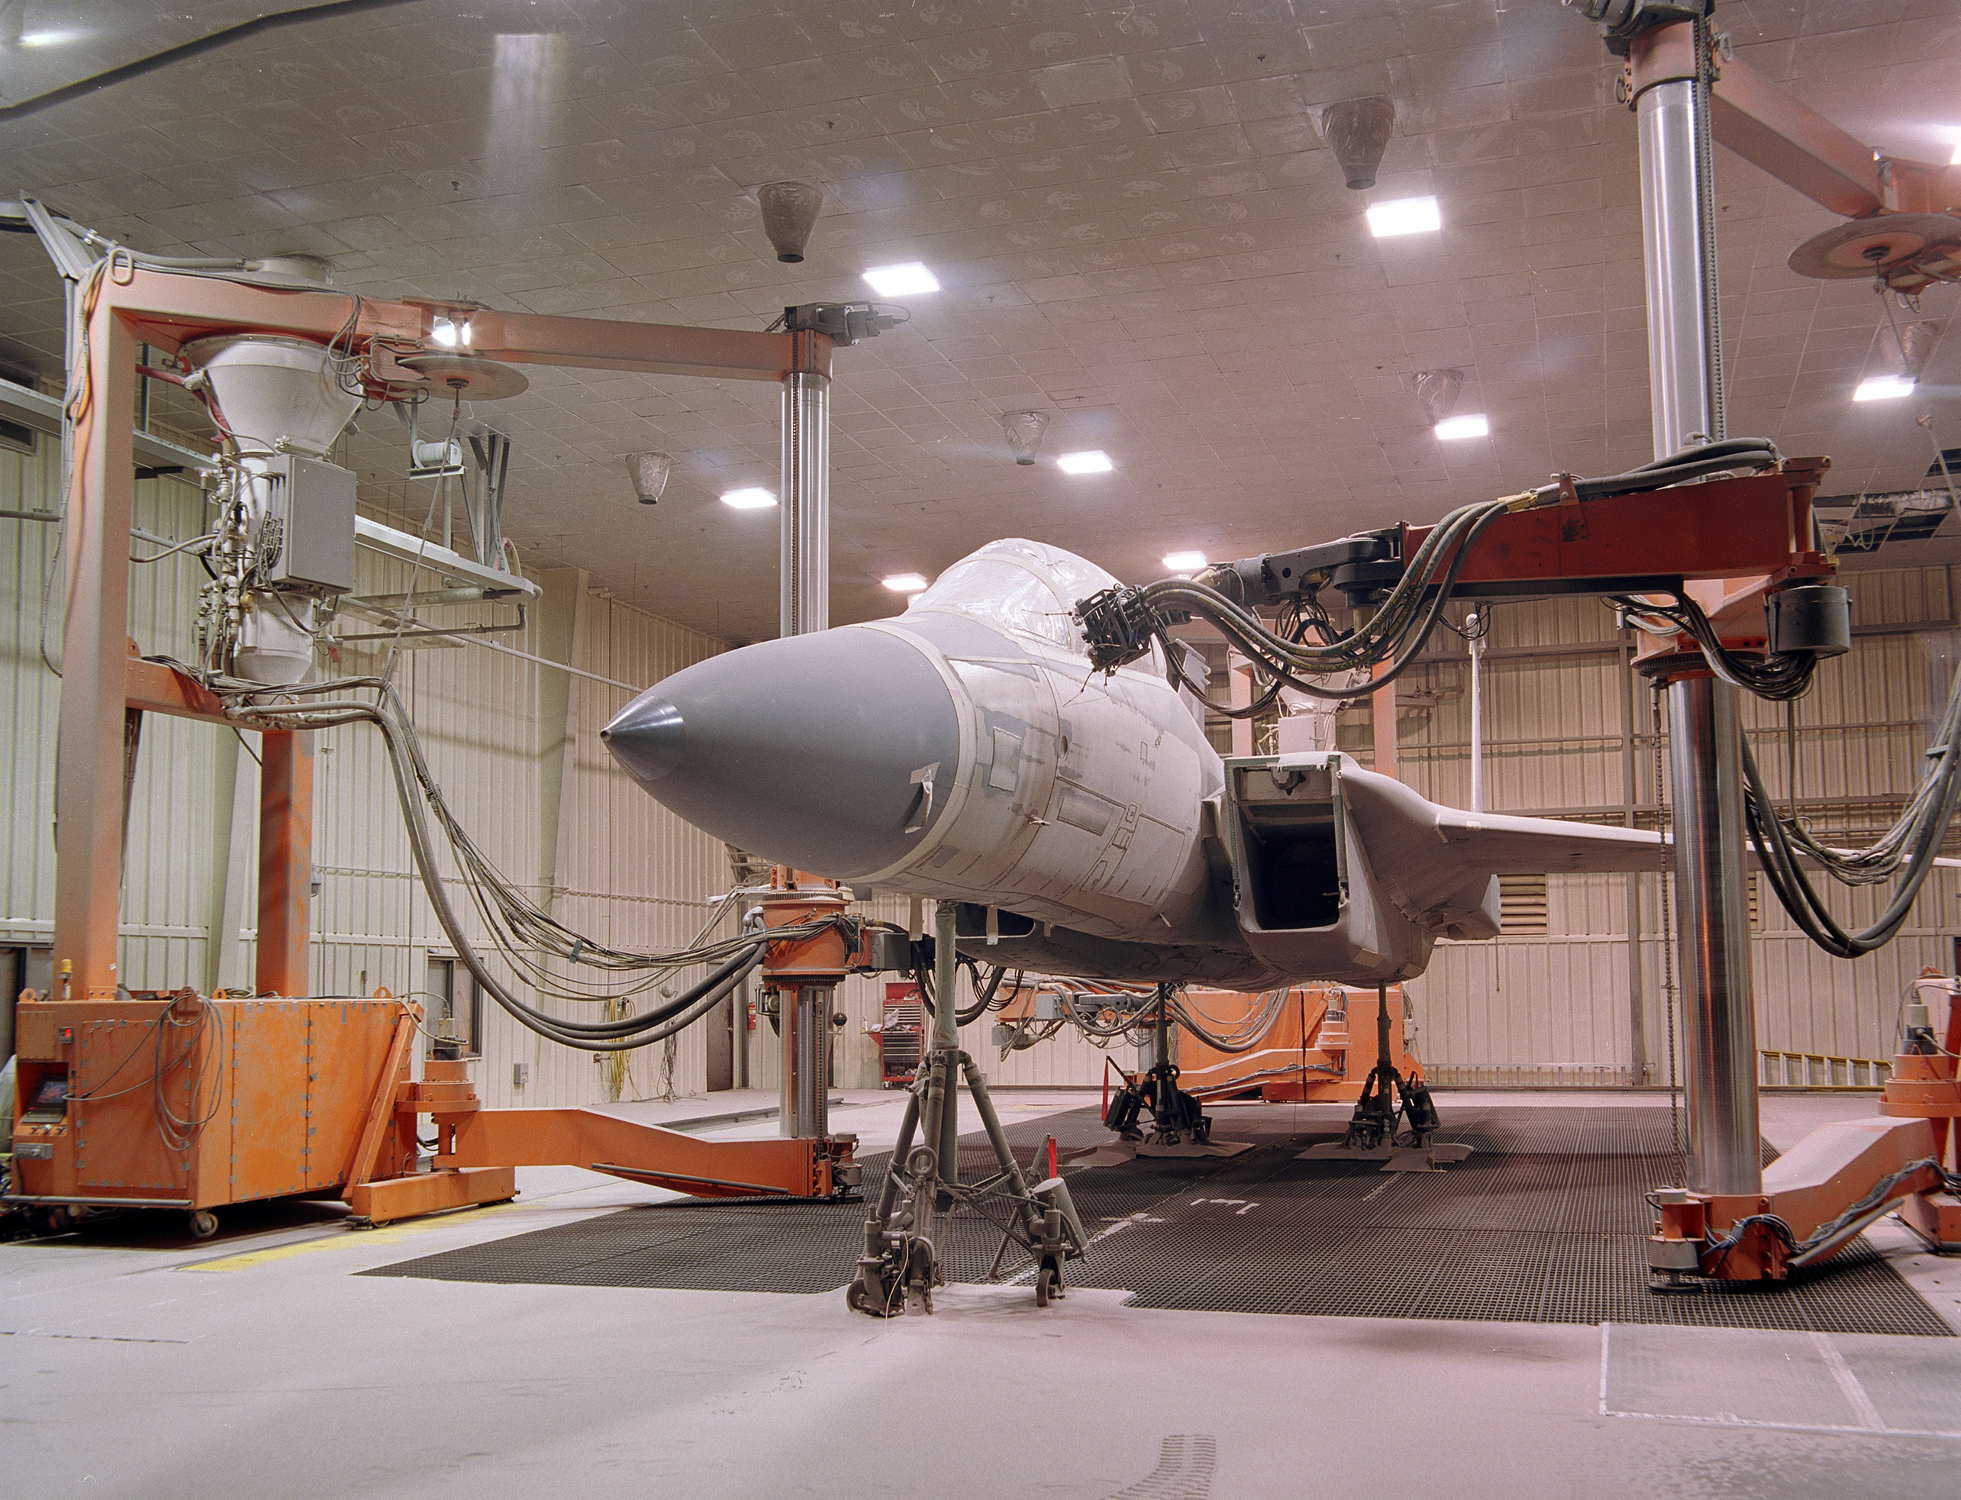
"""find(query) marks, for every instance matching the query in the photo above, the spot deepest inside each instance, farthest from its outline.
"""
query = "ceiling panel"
(1135, 219)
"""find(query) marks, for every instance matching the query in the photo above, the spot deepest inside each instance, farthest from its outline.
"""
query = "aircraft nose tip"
(834, 752)
(648, 738)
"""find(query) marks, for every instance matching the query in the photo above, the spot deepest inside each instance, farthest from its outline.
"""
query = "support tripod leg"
(879, 1270)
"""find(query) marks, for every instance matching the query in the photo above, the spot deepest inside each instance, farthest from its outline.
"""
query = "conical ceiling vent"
(1024, 430)
(1438, 391)
(1358, 131)
(790, 212)
(1917, 342)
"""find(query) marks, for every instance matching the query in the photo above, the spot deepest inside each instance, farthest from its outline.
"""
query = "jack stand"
(900, 1265)
(1176, 1117)
(1373, 1124)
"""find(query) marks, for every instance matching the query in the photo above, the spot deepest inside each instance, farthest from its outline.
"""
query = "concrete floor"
(138, 1363)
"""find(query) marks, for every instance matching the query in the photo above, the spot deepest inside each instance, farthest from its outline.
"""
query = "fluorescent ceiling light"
(1463, 427)
(1883, 388)
(1404, 216)
(904, 583)
(1095, 461)
(907, 280)
(450, 333)
(750, 499)
(1184, 562)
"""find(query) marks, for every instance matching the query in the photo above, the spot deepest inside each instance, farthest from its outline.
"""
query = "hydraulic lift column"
(1705, 768)
(805, 584)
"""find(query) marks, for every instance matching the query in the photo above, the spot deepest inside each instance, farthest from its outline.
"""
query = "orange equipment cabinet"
(1320, 1047)
(170, 1100)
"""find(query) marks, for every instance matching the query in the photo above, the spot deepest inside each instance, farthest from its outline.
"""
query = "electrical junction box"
(311, 505)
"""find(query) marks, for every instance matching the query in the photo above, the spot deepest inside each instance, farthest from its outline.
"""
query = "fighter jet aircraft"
(967, 750)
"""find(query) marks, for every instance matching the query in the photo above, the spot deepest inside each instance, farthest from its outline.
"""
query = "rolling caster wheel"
(202, 1223)
(1045, 1287)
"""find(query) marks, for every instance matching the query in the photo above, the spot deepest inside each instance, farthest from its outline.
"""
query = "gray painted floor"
(138, 1364)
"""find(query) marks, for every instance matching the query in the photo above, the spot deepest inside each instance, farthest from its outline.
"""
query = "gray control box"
(311, 505)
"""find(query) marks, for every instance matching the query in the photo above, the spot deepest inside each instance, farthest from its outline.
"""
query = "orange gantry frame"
(179, 1101)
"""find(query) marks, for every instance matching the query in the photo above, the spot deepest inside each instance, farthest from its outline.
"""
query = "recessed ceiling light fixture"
(904, 583)
(1184, 562)
(1476, 425)
(907, 280)
(1404, 216)
(753, 498)
(1095, 461)
(1883, 388)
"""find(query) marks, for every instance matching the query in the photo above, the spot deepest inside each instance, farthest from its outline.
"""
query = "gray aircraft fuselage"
(967, 751)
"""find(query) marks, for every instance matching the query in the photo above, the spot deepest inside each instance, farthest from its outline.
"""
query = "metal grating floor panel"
(1545, 1223)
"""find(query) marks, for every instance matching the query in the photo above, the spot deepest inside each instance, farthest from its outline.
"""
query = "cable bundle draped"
(510, 917)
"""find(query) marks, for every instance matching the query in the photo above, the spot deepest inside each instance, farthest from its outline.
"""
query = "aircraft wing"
(1436, 863)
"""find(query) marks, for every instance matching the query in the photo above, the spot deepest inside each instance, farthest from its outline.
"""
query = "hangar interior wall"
(515, 747)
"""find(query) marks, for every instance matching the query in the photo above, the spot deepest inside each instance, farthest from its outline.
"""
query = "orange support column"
(1382, 703)
(285, 861)
(89, 771)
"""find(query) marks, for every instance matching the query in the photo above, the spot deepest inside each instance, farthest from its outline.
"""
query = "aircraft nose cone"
(810, 751)
(647, 738)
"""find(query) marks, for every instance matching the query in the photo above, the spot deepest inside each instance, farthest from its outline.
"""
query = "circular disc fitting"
(1861, 248)
(474, 379)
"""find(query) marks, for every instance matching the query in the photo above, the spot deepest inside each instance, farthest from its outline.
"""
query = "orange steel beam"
(1726, 528)
(1761, 123)
(156, 689)
(778, 1166)
(382, 1105)
(89, 771)
(651, 348)
(285, 860)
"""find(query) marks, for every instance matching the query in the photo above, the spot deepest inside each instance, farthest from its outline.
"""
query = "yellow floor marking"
(352, 1239)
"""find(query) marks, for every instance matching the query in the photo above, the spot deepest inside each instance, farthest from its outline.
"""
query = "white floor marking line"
(1605, 1330)
(1855, 1393)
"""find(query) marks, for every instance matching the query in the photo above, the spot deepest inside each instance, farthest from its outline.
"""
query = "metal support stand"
(806, 562)
(1176, 1116)
(1686, 387)
(1713, 937)
(805, 606)
(1388, 1096)
(805, 1019)
(901, 1265)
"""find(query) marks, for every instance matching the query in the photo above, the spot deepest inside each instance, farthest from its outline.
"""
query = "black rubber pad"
(1544, 1223)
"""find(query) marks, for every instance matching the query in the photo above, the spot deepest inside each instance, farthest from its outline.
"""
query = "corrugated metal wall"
(1568, 732)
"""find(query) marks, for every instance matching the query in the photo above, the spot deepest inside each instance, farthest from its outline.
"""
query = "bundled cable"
(1122, 623)
(1242, 1035)
(1913, 841)
(1779, 677)
(497, 901)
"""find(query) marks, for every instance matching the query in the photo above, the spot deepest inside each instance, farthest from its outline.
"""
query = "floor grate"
(1544, 1223)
